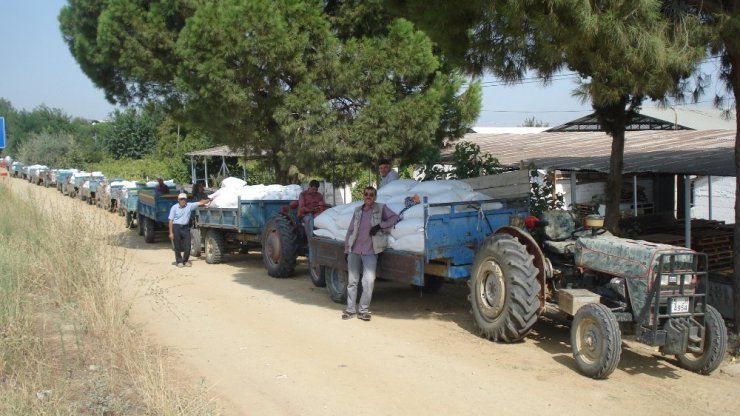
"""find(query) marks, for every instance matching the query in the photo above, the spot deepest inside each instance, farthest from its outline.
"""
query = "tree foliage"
(131, 134)
(303, 84)
(624, 52)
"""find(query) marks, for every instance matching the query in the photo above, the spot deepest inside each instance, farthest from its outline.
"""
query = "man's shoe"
(365, 316)
(347, 315)
(180, 265)
(188, 264)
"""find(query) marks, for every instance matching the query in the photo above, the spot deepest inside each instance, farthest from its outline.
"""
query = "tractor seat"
(558, 231)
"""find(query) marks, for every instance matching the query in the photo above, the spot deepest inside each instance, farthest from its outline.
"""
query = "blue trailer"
(63, 181)
(271, 225)
(16, 169)
(89, 193)
(451, 241)
(128, 204)
(152, 210)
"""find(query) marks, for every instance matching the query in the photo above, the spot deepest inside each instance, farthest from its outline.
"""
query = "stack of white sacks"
(233, 189)
(408, 234)
(96, 176)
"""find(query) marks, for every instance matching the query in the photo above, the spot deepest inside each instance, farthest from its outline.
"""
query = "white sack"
(413, 243)
(232, 182)
(397, 186)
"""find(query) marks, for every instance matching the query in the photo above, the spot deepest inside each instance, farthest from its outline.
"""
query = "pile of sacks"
(408, 234)
(96, 176)
(233, 189)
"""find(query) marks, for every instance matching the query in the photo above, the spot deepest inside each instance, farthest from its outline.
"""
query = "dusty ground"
(278, 347)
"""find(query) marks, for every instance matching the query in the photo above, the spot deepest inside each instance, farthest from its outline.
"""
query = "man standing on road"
(388, 175)
(179, 223)
(367, 237)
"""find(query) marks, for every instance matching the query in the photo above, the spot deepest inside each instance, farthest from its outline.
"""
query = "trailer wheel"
(214, 246)
(138, 223)
(595, 340)
(196, 244)
(715, 345)
(318, 275)
(279, 246)
(503, 289)
(148, 225)
(336, 284)
(432, 284)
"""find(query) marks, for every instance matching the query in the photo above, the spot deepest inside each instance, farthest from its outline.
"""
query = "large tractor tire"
(214, 246)
(279, 246)
(318, 276)
(148, 225)
(596, 341)
(715, 345)
(503, 289)
(196, 242)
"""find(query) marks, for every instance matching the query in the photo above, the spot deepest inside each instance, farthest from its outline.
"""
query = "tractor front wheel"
(503, 289)
(715, 345)
(596, 341)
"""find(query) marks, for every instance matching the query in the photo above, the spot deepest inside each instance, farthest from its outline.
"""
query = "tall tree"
(625, 51)
(297, 82)
(721, 18)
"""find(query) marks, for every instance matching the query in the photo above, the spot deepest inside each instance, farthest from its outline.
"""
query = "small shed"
(215, 152)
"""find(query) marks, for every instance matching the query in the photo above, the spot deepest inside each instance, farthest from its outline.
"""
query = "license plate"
(679, 305)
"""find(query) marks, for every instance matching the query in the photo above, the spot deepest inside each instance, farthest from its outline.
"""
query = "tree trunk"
(733, 51)
(614, 182)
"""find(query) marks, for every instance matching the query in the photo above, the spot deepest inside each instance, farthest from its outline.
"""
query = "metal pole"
(709, 181)
(205, 166)
(573, 180)
(687, 209)
(634, 194)
(192, 169)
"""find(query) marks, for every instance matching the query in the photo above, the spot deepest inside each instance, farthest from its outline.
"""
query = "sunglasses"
(369, 194)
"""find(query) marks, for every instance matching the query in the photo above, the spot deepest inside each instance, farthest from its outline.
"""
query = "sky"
(37, 68)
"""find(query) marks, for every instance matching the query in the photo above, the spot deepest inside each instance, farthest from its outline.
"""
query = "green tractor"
(607, 287)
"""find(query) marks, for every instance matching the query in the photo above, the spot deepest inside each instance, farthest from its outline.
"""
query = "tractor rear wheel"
(715, 345)
(196, 244)
(279, 246)
(148, 225)
(214, 246)
(595, 340)
(503, 289)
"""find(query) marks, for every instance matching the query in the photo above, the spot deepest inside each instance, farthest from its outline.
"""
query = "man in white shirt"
(179, 224)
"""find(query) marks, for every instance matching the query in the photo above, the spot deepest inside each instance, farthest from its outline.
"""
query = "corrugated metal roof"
(222, 151)
(217, 151)
(704, 152)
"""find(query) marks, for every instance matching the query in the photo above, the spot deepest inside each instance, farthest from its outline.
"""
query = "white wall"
(723, 198)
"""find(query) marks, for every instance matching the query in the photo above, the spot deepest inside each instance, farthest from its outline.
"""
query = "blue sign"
(2, 132)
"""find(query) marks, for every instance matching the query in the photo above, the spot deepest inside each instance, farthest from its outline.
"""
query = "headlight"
(675, 279)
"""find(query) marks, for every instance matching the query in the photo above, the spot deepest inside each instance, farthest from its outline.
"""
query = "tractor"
(607, 287)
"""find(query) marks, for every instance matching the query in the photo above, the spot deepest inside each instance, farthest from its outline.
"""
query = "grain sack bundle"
(234, 189)
(408, 234)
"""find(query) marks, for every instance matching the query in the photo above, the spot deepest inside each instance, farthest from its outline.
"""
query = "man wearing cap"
(179, 223)
(161, 187)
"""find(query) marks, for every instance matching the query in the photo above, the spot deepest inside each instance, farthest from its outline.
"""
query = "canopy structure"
(221, 151)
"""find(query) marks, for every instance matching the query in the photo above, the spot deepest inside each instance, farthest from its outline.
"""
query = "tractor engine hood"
(631, 259)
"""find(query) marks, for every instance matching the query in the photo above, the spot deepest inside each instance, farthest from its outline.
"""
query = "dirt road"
(271, 346)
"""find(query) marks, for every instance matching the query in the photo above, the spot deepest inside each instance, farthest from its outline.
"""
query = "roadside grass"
(66, 344)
